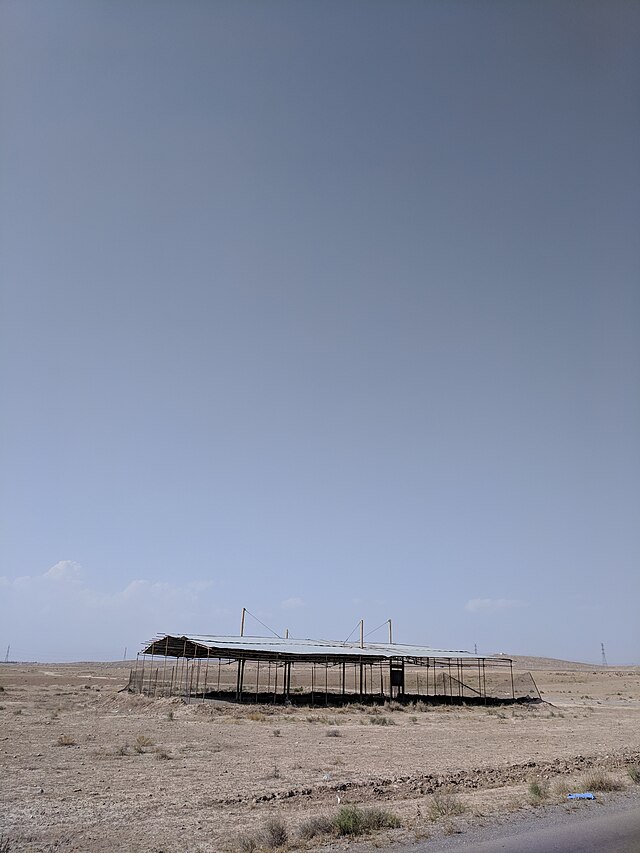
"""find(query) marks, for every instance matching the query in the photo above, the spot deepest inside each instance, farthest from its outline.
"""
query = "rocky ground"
(84, 767)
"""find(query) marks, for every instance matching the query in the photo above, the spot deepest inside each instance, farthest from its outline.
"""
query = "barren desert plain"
(86, 766)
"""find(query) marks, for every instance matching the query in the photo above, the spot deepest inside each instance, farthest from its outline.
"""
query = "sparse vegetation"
(142, 741)
(162, 754)
(538, 791)
(5, 844)
(634, 773)
(600, 781)
(352, 820)
(66, 740)
(247, 844)
(277, 732)
(257, 716)
(275, 833)
(334, 733)
(383, 721)
(562, 787)
(445, 804)
(319, 825)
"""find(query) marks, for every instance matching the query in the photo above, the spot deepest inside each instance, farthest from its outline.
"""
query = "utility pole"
(244, 610)
(124, 656)
(604, 657)
(6, 657)
(390, 633)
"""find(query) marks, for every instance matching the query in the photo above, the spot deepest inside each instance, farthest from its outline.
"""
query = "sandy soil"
(84, 767)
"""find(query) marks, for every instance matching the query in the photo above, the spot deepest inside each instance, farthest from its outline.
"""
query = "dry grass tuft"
(319, 825)
(257, 716)
(538, 791)
(382, 721)
(634, 773)
(65, 740)
(445, 804)
(352, 820)
(600, 781)
(275, 833)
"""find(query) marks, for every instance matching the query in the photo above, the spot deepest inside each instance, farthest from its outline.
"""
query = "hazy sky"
(328, 309)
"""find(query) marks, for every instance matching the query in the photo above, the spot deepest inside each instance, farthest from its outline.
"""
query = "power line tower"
(6, 657)
(604, 657)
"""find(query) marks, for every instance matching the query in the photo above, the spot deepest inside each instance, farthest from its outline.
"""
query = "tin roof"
(201, 645)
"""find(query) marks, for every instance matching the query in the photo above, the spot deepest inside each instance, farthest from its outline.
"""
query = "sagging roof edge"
(199, 645)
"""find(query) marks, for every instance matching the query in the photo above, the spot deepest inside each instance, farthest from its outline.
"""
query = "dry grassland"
(84, 767)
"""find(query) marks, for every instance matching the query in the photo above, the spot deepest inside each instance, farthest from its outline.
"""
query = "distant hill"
(526, 662)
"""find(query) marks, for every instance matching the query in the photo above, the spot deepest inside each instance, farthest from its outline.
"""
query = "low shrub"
(600, 781)
(257, 716)
(634, 773)
(319, 825)
(66, 740)
(382, 721)
(352, 820)
(538, 791)
(275, 833)
(445, 804)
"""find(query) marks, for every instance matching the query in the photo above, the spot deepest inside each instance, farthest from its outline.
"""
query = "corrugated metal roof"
(305, 648)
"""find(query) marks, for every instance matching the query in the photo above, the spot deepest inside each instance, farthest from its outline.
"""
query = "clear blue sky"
(329, 309)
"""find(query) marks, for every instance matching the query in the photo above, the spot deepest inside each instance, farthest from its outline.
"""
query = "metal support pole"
(206, 674)
(164, 669)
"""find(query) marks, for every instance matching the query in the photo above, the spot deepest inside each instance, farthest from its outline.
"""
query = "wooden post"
(257, 681)
(244, 610)
(513, 692)
(390, 633)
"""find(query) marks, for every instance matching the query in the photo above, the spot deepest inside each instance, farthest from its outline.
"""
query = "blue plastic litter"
(586, 796)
